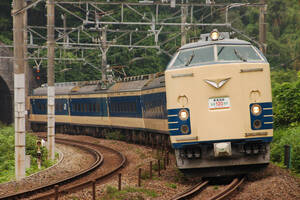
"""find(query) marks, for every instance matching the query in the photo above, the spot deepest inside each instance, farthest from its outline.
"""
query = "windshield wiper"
(239, 56)
(190, 59)
(220, 50)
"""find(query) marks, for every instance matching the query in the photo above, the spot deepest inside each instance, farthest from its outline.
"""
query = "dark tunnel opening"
(5, 103)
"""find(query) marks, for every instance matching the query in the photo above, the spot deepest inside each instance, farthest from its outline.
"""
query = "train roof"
(207, 43)
(128, 84)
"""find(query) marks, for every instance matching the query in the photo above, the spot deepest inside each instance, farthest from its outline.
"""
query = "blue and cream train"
(213, 102)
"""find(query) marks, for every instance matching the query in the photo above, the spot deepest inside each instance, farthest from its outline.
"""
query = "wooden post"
(94, 189)
(168, 159)
(287, 156)
(139, 177)
(56, 188)
(158, 163)
(120, 182)
(150, 169)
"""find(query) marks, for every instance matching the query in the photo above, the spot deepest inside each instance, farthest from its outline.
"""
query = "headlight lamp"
(214, 35)
(184, 129)
(183, 114)
(256, 109)
(257, 124)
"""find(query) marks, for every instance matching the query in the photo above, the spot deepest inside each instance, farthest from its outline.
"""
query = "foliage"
(171, 185)
(115, 135)
(283, 41)
(287, 136)
(133, 193)
(7, 161)
(281, 76)
(286, 99)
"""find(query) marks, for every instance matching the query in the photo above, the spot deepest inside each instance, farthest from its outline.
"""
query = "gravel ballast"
(273, 183)
(74, 160)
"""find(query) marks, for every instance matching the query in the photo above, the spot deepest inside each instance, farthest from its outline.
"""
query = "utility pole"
(64, 18)
(26, 67)
(104, 49)
(184, 13)
(50, 73)
(19, 89)
(262, 26)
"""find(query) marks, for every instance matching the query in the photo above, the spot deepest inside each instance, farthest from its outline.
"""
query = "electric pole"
(184, 13)
(50, 73)
(19, 89)
(104, 50)
(262, 26)
(26, 67)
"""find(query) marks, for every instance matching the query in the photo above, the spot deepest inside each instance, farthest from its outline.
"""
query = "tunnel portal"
(5, 103)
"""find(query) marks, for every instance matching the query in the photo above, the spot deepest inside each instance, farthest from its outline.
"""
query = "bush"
(287, 136)
(7, 155)
(115, 135)
(286, 102)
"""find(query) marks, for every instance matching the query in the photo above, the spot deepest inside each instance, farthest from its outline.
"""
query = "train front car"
(219, 106)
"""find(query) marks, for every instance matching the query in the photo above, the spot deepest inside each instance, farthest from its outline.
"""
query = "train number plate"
(218, 103)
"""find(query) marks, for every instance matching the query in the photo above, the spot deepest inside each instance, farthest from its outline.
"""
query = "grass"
(287, 136)
(7, 160)
(171, 185)
(115, 135)
(131, 193)
(141, 154)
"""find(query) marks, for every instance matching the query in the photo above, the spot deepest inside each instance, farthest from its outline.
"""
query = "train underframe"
(145, 137)
(245, 157)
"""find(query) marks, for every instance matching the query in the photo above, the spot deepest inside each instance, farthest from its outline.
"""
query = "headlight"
(183, 114)
(214, 35)
(257, 124)
(256, 109)
(184, 129)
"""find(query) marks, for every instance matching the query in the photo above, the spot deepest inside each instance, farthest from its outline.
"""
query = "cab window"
(237, 53)
(192, 57)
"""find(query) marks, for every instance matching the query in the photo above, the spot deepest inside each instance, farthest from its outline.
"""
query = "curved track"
(201, 186)
(71, 183)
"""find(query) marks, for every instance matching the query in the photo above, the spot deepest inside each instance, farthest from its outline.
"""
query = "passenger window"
(90, 107)
(97, 107)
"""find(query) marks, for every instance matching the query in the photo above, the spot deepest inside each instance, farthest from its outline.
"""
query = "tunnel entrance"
(5, 103)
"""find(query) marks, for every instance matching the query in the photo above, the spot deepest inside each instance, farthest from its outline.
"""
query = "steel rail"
(191, 191)
(98, 161)
(229, 189)
(79, 186)
(200, 186)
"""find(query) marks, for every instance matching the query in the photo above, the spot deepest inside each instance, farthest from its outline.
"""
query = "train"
(212, 105)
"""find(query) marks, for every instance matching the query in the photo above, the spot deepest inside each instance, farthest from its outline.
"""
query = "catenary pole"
(104, 49)
(184, 13)
(262, 26)
(50, 73)
(26, 67)
(19, 90)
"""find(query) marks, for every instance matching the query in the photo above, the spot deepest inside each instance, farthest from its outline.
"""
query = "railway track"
(229, 189)
(78, 181)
